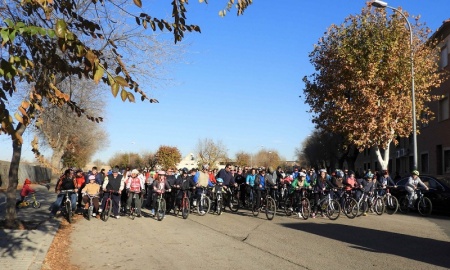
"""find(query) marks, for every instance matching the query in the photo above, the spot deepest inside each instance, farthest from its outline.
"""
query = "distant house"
(190, 161)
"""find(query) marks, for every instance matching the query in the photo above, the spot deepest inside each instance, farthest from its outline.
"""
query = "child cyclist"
(26, 190)
(91, 189)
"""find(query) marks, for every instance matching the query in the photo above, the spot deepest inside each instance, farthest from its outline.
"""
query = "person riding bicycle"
(297, 185)
(66, 182)
(135, 184)
(228, 179)
(159, 187)
(384, 181)
(250, 183)
(260, 186)
(114, 183)
(413, 183)
(92, 189)
(26, 190)
(323, 182)
(368, 185)
(351, 183)
(183, 183)
(202, 182)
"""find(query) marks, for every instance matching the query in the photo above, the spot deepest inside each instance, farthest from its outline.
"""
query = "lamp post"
(381, 4)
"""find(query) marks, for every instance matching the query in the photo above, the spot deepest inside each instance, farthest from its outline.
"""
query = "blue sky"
(240, 80)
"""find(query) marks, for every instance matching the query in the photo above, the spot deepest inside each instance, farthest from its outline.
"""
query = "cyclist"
(413, 183)
(93, 189)
(66, 182)
(135, 184)
(228, 179)
(26, 189)
(239, 178)
(115, 183)
(351, 183)
(368, 184)
(260, 186)
(297, 185)
(322, 183)
(170, 196)
(184, 182)
(250, 182)
(385, 180)
(159, 187)
(81, 182)
(202, 183)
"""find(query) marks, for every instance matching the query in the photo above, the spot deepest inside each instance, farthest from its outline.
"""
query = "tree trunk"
(383, 159)
(11, 192)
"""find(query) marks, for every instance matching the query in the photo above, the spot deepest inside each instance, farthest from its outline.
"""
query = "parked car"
(439, 192)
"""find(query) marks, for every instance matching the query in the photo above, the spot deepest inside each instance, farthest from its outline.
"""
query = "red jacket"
(26, 189)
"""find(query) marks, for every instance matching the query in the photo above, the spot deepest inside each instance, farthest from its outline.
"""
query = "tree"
(361, 87)
(243, 159)
(210, 152)
(168, 156)
(45, 42)
(267, 158)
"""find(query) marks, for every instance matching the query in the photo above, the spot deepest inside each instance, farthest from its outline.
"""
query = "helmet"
(302, 174)
(323, 170)
(91, 177)
(134, 171)
(339, 174)
(27, 181)
(185, 170)
(219, 180)
(415, 172)
(369, 175)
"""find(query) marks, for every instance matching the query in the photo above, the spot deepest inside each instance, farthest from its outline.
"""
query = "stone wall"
(33, 172)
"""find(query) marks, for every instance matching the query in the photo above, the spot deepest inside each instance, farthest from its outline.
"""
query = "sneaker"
(291, 209)
(202, 212)
(299, 214)
(100, 210)
(194, 203)
(138, 215)
(153, 212)
(94, 214)
(364, 214)
(117, 217)
(313, 215)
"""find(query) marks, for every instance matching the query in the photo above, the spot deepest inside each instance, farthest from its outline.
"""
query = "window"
(447, 161)
(424, 163)
(443, 109)
(444, 57)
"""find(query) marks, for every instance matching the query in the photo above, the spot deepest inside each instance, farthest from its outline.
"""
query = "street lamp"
(381, 4)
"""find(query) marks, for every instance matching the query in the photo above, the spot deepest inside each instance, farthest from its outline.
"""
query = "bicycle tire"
(255, 210)
(219, 206)
(333, 210)
(403, 205)
(36, 204)
(378, 206)
(205, 202)
(288, 207)
(362, 208)
(68, 207)
(161, 209)
(107, 211)
(424, 206)
(350, 208)
(89, 212)
(306, 208)
(271, 208)
(390, 205)
(185, 208)
(234, 203)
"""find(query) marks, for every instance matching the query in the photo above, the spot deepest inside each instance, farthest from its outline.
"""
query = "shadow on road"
(421, 249)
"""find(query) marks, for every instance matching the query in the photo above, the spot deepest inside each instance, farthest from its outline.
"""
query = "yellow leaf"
(124, 95)
(18, 117)
(131, 97)
(98, 73)
(138, 3)
(25, 104)
(115, 89)
(60, 28)
(120, 80)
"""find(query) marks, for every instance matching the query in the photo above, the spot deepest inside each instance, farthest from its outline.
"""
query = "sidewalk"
(27, 249)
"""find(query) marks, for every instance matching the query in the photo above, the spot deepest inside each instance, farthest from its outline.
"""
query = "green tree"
(168, 156)
(362, 84)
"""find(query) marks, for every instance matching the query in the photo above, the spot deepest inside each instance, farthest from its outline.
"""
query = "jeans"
(57, 204)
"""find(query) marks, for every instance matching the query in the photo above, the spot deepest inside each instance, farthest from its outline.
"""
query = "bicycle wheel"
(350, 208)
(255, 209)
(219, 206)
(185, 208)
(90, 211)
(161, 209)
(403, 205)
(333, 210)
(36, 204)
(205, 202)
(390, 204)
(424, 206)
(107, 211)
(68, 207)
(288, 207)
(306, 209)
(378, 206)
(271, 208)
(362, 208)
(234, 202)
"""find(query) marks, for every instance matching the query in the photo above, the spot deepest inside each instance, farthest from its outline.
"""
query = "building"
(433, 142)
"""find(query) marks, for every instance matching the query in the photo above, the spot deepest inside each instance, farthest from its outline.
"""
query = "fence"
(33, 172)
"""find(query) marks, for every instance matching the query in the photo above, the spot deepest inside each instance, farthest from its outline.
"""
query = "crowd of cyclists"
(244, 185)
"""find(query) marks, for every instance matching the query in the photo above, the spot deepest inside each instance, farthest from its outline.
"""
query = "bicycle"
(90, 210)
(67, 204)
(203, 203)
(106, 213)
(390, 202)
(217, 201)
(30, 201)
(267, 204)
(160, 207)
(132, 213)
(350, 205)
(185, 207)
(330, 206)
(421, 203)
(304, 210)
(233, 198)
(376, 203)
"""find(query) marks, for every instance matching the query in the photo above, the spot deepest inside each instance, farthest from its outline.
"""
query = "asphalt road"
(241, 241)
